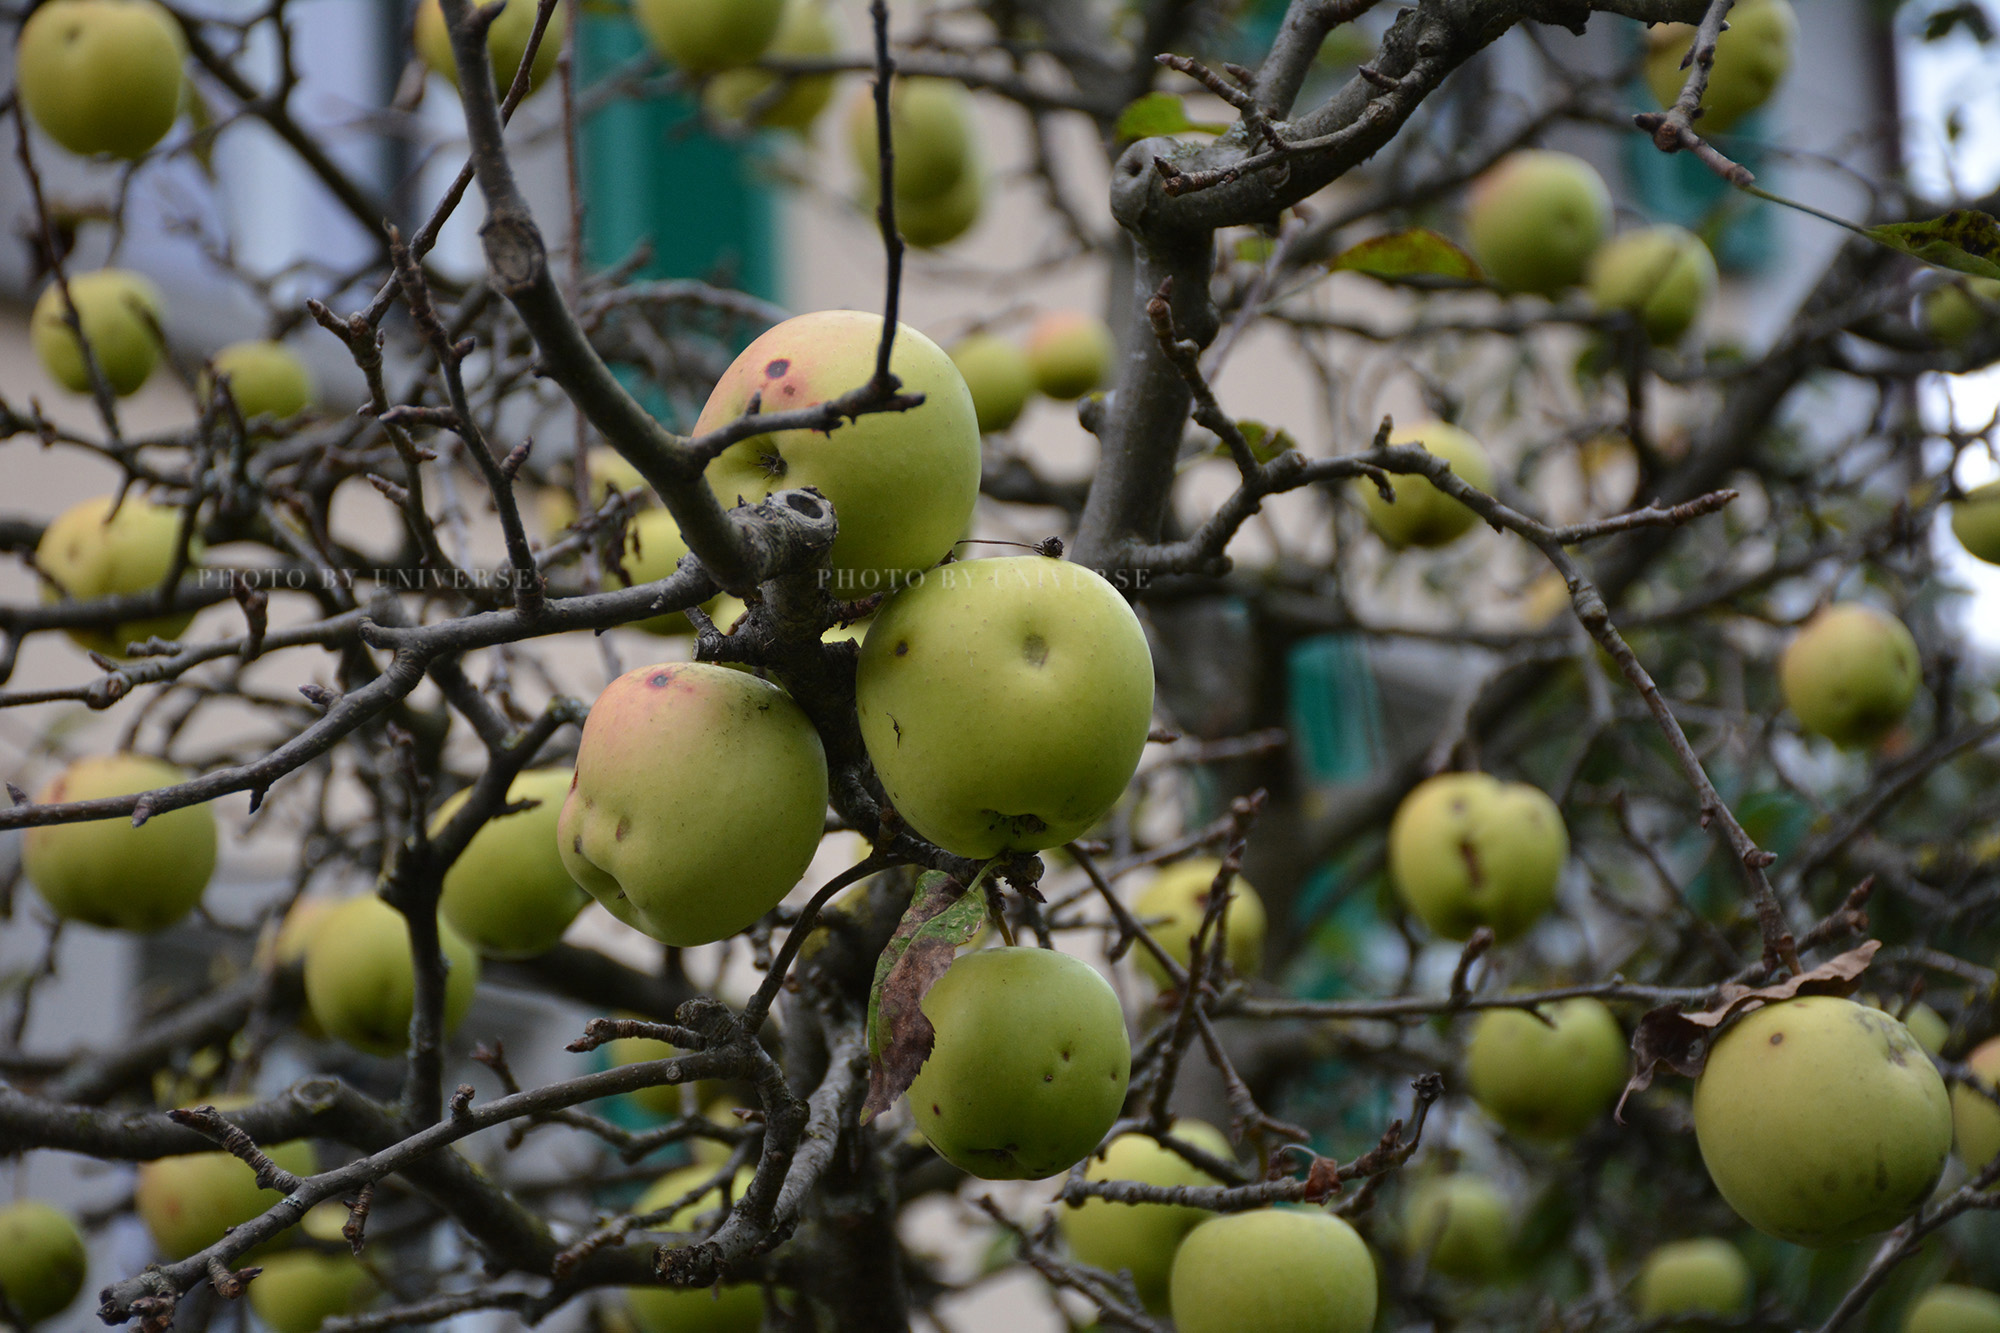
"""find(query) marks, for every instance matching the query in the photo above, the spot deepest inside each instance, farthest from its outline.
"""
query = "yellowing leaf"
(1964, 240)
(1416, 253)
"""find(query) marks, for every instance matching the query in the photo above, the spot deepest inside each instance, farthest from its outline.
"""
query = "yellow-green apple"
(1459, 1225)
(1070, 352)
(1278, 1270)
(91, 551)
(1029, 1067)
(1704, 1276)
(1535, 219)
(506, 43)
(1547, 1077)
(806, 28)
(703, 36)
(1663, 275)
(1975, 1116)
(903, 484)
(998, 376)
(930, 223)
(301, 1289)
(361, 982)
(1821, 1120)
(265, 378)
(1005, 702)
(287, 949)
(653, 550)
(1421, 514)
(1850, 674)
(1975, 521)
(1951, 1308)
(508, 893)
(1467, 850)
(699, 848)
(1750, 59)
(189, 1203)
(101, 76)
(42, 1259)
(1952, 313)
(661, 1099)
(931, 130)
(109, 874)
(1140, 1238)
(1171, 908)
(609, 471)
(120, 312)
(736, 1307)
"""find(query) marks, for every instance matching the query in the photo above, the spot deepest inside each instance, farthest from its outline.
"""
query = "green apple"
(699, 848)
(287, 949)
(1140, 1238)
(1954, 312)
(1070, 353)
(653, 551)
(1975, 521)
(42, 1259)
(930, 223)
(1278, 1270)
(1821, 1120)
(1467, 850)
(806, 28)
(1751, 57)
(1171, 908)
(1950, 1308)
(736, 1307)
(189, 1203)
(301, 1289)
(931, 130)
(90, 551)
(1926, 1024)
(998, 376)
(1850, 674)
(661, 1100)
(1547, 1077)
(1423, 515)
(121, 314)
(1974, 1115)
(508, 893)
(1704, 1276)
(1459, 1225)
(107, 873)
(703, 36)
(1536, 218)
(506, 43)
(265, 379)
(903, 484)
(101, 76)
(1005, 702)
(360, 981)
(1664, 275)
(1029, 1067)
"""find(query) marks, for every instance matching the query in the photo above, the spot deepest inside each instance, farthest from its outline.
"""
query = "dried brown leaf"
(941, 917)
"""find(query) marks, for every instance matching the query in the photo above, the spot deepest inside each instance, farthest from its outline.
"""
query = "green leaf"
(1160, 113)
(1418, 252)
(1254, 249)
(941, 918)
(1964, 240)
(1265, 443)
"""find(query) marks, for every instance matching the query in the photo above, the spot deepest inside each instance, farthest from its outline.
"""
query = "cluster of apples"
(939, 187)
(1067, 354)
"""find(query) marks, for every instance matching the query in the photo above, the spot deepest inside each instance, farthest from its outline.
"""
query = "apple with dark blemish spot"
(1029, 1067)
(1005, 702)
(1467, 850)
(1821, 1120)
(699, 799)
(902, 484)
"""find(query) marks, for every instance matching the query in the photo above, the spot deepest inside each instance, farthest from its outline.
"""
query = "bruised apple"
(1850, 674)
(1421, 514)
(361, 981)
(903, 484)
(1029, 1067)
(1821, 1120)
(1005, 702)
(1547, 1077)
(1172, 906)
(698, 847)
(1140, 1239)
(508, 893)
(42, 1259)
(1277, 1270)
(1535, 219)
(1467, 850)
(107, 873)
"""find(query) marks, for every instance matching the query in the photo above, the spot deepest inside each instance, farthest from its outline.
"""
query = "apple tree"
(873, 775)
